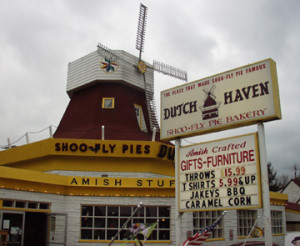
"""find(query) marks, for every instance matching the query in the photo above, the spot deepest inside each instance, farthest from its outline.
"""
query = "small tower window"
(108, 102)
(140, 117)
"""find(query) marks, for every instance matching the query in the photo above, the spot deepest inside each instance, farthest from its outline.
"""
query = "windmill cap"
(296, 239)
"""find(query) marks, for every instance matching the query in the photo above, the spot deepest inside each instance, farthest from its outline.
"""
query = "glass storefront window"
(103, 222)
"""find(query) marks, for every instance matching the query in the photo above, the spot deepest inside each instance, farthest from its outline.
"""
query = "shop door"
(57, 232)
(13, 223)
(35, 230)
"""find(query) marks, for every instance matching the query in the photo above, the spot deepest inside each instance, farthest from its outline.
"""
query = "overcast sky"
(39, 38)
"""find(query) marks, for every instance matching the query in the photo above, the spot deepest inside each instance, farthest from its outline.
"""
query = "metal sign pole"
(265, 184)
(125, 224)
(177, 190)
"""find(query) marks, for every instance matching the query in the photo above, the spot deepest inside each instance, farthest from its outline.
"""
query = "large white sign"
(231, 99)
(220, 175)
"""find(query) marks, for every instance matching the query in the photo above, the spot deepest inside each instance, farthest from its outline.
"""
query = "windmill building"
(104, 159)
(80, 186)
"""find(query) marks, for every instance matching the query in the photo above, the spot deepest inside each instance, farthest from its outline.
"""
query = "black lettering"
(118, 182)
(124, 148)
(228, 97)
(163, 151)
(74, 181)
(64, 146)
(246, 91)
(83, 147)
(104, 150)
(160, 184)
(252, 179)
(187, 204)
(255, 90)
(147, 149)
(238, 96)
(112, 147)
(193, 107)
(264, 88)
(139, 149)
(73, 147)
(166, 113)
(57, 147)
(179, 107)
(171, 153)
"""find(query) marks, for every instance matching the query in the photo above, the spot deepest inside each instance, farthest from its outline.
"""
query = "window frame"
(140, 112)
(277, 221)
(113, 217)
(105, 100)
(24, 205)
(245, 221)
(203, 219)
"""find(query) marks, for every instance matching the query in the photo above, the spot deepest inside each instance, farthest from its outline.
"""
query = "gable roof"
(296, 181)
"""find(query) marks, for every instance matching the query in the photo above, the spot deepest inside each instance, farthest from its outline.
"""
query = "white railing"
(26, 136)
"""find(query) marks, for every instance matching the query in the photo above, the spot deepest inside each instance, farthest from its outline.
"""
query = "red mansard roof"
(84, 116)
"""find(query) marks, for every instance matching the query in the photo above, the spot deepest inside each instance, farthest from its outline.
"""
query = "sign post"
(265, 184)
(177, 191)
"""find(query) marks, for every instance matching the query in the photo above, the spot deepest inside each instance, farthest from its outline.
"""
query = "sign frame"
(242, 83)
(258, 186)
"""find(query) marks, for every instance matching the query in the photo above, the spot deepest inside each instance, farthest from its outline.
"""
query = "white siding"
(71, 205)
(293, 191)
(86, 70)
(110, 174)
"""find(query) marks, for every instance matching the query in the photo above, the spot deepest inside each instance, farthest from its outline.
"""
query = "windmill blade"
(140, 36)
(212, 89)
(151, 105)
(205, 91)
(169, 70)
(212, 96)
(104, 51)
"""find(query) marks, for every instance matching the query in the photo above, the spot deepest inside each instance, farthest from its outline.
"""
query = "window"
(103, 222)
(16, 204)
(202, 220)
(276, 220)
(246, 220)
(140, 117)
(108, 103)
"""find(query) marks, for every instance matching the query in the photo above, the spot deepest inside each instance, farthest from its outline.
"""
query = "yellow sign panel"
(114, 148)
(220, 175)
(122, 182)
(231, 99)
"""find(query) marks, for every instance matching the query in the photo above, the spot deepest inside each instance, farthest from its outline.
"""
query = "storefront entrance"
(35, 232)
(13, 223)
(24, 228)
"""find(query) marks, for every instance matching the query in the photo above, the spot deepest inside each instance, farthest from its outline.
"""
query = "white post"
(178, 215)
(27, 137)
(126, 222)
(8, 143)
(153, 134)
(265, 184)
(50, 132)
(103, 132)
